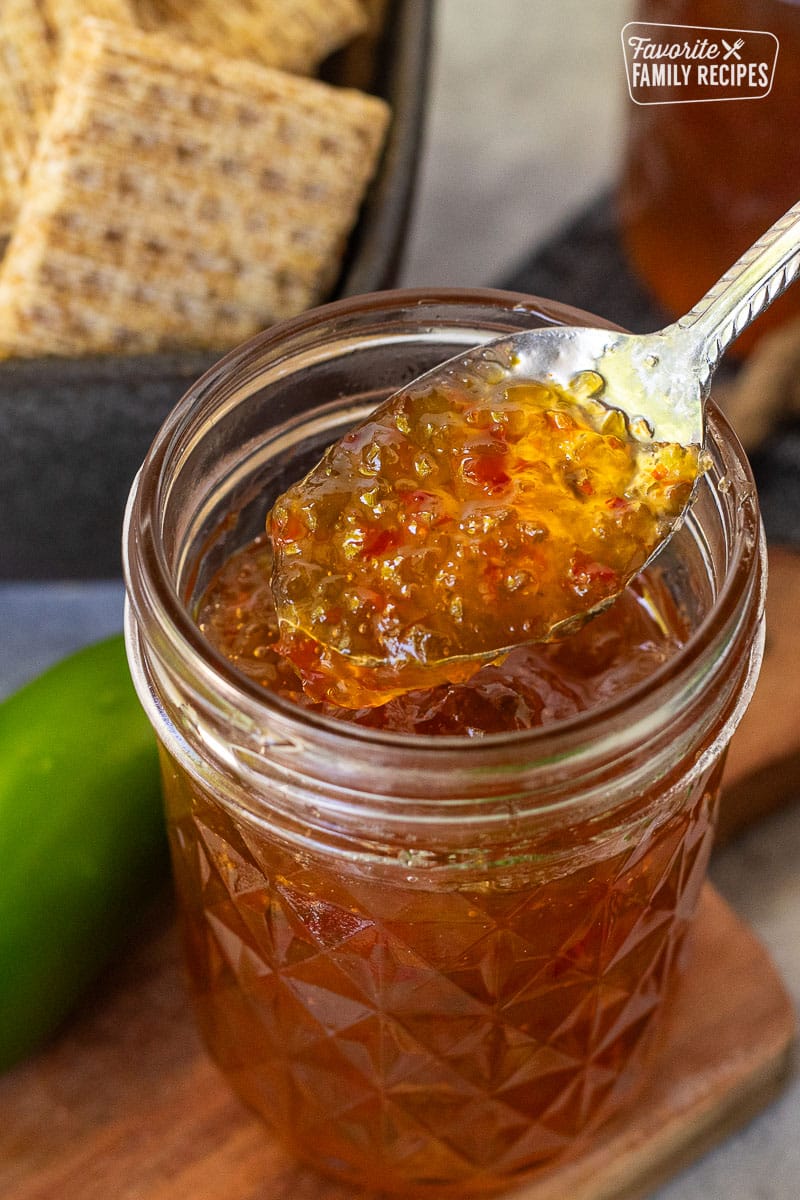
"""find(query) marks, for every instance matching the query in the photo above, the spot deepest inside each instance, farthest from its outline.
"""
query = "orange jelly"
(683, 222)
(433, 940)
(444, 1037)
(534, 685)
(459, 520)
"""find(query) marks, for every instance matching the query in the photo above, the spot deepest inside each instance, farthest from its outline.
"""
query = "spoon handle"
(763, 273)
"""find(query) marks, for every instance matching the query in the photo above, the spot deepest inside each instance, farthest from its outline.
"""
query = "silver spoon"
(356, 606)
(665, 377)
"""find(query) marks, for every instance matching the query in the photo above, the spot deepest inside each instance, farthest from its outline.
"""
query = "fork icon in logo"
(734, 49)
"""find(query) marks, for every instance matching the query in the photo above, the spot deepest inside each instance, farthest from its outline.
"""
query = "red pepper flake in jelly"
(458, 522)
(536, 684)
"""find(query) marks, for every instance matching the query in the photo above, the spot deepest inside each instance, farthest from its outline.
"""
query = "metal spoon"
(663, 377)
(356, 611)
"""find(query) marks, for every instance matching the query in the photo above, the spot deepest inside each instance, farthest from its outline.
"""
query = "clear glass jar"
(433, 964)
(701, 181)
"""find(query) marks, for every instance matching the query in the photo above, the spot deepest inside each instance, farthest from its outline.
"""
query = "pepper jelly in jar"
(432, 942)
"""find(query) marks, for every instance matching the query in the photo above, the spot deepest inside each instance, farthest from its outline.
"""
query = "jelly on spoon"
(505, 496)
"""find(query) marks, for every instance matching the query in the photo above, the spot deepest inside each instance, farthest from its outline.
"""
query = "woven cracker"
(294, 35)
(357, 63)
(151, 15)
(180, 198)
(26, 66)
(62, 14)
(31, 35)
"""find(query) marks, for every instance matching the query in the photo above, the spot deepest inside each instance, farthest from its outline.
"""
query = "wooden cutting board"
(125, 1105)
(763, 768)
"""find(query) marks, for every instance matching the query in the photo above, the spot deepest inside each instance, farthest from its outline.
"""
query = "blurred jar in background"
(701, 181)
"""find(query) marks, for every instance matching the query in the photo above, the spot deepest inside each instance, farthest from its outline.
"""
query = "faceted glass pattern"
(430, 1040)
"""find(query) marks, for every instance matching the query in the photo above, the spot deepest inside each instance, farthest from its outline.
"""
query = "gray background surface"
(527, 106)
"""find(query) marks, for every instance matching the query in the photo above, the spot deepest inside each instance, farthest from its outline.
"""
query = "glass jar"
(433, 964)
(701, 181)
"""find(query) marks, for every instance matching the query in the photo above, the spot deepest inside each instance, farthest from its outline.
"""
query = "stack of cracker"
(178, 196)
(31, 37)
(294, 35)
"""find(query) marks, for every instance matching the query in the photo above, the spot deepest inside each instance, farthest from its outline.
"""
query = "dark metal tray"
(74, 431)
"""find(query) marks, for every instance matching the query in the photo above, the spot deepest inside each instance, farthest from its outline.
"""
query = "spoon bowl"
(664, 378)
(505, 496)
(646, 377)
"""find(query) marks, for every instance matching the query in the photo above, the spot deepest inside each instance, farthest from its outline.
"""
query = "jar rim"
(160, 597)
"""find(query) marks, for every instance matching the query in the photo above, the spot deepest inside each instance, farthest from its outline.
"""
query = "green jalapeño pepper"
(82, 843)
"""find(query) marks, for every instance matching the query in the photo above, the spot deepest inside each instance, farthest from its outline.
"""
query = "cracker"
(62, 14)
(31, 35)
(26, 65)
(180, 198)
(151, 15)
(294, 35)
(358, 62)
